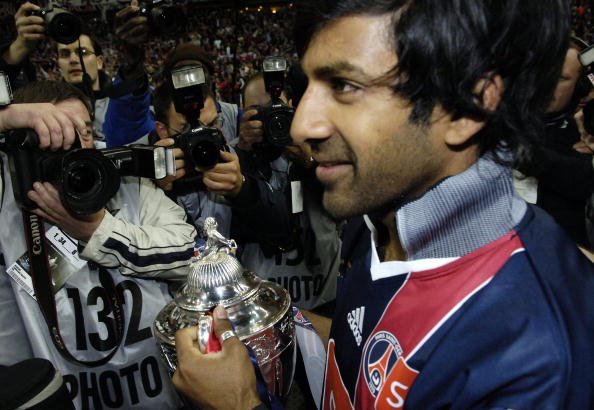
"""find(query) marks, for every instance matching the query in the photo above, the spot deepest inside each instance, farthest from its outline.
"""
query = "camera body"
(276, 120)
(201, 147)
(163, 16)
(63, 26)
(86, 178)
(276, 116)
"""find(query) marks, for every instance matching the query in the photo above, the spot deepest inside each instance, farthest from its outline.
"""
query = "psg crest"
(381, 354)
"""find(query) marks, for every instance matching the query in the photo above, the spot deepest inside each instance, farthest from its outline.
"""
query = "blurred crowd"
(237, 39)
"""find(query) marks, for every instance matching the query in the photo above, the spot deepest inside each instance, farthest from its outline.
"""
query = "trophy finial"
(214, 239)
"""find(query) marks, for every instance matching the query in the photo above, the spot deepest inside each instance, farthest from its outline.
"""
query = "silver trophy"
(259, 310)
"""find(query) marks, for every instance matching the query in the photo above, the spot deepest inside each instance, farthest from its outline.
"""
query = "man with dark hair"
(108, 269)
(453, 292)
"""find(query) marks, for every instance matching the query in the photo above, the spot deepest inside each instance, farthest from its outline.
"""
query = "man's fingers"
(55, 129)
(228, 156)
(25, 8)
(185, 342)
(222, 323)
(249, 114)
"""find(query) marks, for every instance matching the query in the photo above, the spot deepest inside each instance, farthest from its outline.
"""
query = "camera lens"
(64, 27)
(205, 154)
(88, 181)
(81, 178)
(278, 128)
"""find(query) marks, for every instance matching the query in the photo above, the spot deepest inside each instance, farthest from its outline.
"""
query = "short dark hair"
(50, 91)
(445, 47)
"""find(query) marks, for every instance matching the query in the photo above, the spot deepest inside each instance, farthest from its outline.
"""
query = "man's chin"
(341, 207)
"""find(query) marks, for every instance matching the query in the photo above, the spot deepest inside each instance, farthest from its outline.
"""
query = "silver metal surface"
(259, 310)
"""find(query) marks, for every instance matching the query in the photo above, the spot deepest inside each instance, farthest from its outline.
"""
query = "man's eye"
(343, 86)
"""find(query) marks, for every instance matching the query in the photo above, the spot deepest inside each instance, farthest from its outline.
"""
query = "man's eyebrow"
(339, 69)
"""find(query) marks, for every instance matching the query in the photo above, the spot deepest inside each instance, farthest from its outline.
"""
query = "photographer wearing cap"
(215, 189)
(121, 113)
(102, 265)
(453, 292)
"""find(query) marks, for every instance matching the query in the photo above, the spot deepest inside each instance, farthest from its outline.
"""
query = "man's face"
(177, 123)
(369, 154)
(77, 107)
(69, 62)
(572, 70)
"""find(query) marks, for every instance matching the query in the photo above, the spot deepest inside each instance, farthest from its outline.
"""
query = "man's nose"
(311, 120)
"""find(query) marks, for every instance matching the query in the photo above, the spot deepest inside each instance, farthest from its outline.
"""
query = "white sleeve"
(160, 247)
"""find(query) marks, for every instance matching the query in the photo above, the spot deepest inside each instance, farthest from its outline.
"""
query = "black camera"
(276, 116)
(63, 26)
(201, 146)
(164, 18)
(86, 178)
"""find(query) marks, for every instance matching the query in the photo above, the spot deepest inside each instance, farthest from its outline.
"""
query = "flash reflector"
(273, 63)
(5, 91)
(187, 76)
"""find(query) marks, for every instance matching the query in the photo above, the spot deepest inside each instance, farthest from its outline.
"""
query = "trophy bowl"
(259, 310)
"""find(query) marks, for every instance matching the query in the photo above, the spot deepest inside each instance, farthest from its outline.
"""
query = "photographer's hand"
(250, 131)
(51, 209)
(30, 31)
(225, 178)
(166, 183)
(132, 30)
(56, 127)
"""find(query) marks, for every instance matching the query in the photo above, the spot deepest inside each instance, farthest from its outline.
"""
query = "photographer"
(299, 250)
(57, 128)
(563, 178)
(107, 268)
(211, 194)
(123, 118)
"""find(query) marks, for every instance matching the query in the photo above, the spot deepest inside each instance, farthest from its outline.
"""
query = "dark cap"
(187, 51)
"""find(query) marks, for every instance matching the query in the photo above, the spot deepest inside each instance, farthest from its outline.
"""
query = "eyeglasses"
(66, 52)
(216, 123)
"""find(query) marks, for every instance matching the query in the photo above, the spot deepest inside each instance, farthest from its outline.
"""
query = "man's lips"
(329, 171)
(75, 72)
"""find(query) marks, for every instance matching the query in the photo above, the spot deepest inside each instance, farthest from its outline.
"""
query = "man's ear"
(99, 62)
(161, 129)
(489, 90)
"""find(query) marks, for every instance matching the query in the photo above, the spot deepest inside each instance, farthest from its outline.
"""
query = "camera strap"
(44, 291)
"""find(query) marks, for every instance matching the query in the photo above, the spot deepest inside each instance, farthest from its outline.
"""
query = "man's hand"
(132, 30)
(51, 209)
(250, 131)
(30, 31)
(586, 143)
(225, 178)
(166, 183)
(221, 380)
(55, 127)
